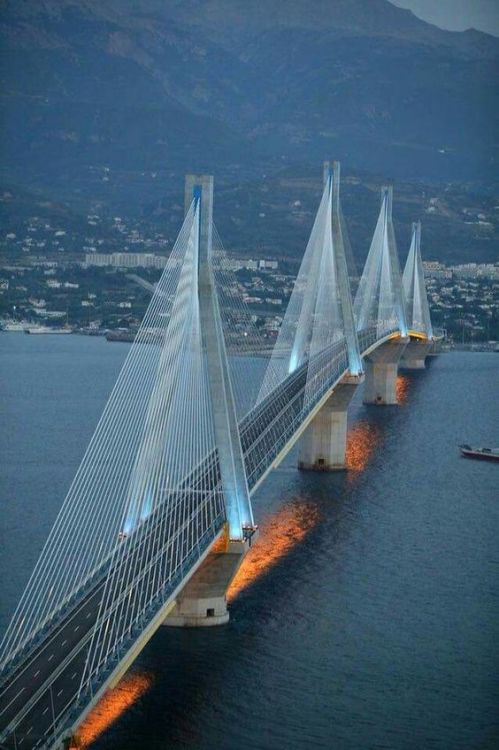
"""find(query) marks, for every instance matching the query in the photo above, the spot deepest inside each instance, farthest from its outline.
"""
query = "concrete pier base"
(203, 602)
(323, 444)
(414, 355)
(381, 368)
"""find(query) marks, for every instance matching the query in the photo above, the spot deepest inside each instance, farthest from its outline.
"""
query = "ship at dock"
(35, 330)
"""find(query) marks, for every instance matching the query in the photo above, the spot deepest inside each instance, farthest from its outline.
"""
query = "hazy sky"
(457, 14)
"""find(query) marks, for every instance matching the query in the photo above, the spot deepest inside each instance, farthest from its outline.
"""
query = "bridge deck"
(41, 695)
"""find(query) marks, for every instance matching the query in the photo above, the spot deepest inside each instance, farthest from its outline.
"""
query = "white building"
(125, 260)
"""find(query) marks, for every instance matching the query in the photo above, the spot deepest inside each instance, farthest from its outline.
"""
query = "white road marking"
(51, 657)
(29, 730)
(60, 691)
(76, 628)
(64, 641)
(44, 712)
(36, 673)
(73, 676)
(12, 700)
(88, 615)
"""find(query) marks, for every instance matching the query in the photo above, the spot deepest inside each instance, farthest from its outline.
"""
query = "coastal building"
(125, 260)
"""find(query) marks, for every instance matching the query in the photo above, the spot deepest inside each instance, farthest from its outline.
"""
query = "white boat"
(485, 454)
(46, 329)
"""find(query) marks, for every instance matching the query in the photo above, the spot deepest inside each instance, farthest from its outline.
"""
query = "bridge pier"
(203, 601)
(381, 368)
(323, 444)
(415, 354)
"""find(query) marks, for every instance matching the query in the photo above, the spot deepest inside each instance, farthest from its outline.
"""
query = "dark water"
(369, 620)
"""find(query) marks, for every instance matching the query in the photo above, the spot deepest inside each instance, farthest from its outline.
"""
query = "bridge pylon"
(323, 443)
(379, 301)
(332, 175)
(380, 305)
(199, 188)
(418, 310)
(320, 311)
(203, 602)
(398, 290)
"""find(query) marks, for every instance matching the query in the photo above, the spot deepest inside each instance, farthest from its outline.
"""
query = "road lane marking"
(73, 675)
(36, 673)
(64, 641)
(29, 730)
(44, 712)
(88, 615)
(60, 691)
(76, 628)
(71, 618)
(12, 700)
(51, 657)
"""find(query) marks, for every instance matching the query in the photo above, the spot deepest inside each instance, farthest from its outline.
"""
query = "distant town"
(51, 277)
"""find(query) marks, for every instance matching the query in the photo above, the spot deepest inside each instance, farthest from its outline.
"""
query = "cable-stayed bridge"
(159, 514)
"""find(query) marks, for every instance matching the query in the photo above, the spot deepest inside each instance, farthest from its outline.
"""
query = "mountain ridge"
(219, 85)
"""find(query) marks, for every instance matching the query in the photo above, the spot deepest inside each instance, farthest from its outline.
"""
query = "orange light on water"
(279, 533)
(402, 388)
(361, 441)
(112, 705)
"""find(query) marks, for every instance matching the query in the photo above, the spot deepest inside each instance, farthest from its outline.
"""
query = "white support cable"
(418, 310)
(237, 324)
(183, 415)
(146, 322)
(75, 540)
(399, 302)
(293, 339)
(68, 533)
(176, 325)
(378, 300)
(327, 323)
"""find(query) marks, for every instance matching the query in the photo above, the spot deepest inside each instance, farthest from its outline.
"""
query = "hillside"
(113, 102)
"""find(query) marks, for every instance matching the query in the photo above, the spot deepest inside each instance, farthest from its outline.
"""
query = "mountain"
(116, 99)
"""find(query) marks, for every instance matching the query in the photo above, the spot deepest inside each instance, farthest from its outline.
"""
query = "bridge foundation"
(203, 601)
(323, 444)
(381, 368)
(415, 354)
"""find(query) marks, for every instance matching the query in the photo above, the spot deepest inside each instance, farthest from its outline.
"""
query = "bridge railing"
(275, 420)
(271, 425)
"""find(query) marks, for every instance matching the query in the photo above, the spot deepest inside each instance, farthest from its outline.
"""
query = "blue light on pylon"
(293, 362)
(197, 192)
(146, 505)
(354, 361)
(404, 331)
(129, 524)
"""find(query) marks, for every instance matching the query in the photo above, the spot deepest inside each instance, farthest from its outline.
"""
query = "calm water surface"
(368, 615)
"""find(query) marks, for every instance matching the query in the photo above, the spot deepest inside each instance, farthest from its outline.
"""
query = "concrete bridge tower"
(323, 443)
(203, 600)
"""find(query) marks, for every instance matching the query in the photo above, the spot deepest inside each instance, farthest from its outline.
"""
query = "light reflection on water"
(113, 704)
(402, 388)
(279, 533)
(362, 439)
